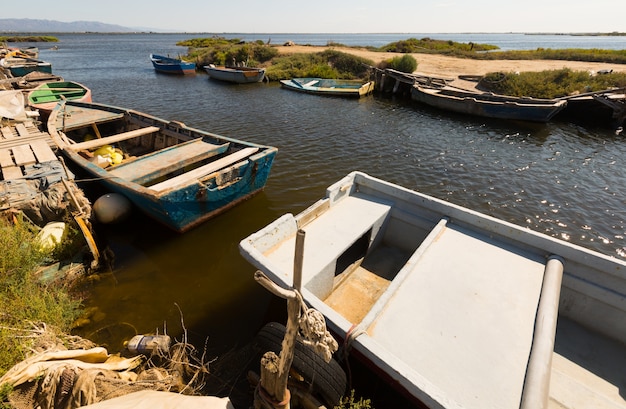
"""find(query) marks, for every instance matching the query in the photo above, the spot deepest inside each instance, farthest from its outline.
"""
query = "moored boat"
(19, 67)
(487, 104)
(321, 86)
(456, 308)
(238, 75)
(47, 95)
(178, 175)
(170, 65)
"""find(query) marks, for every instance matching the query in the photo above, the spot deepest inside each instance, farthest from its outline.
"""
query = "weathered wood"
(297, 261)
(95, 143)
(156, 164)
(42, 151)
(21, 130)
(94, 126)
(5, 158)
(204, 170)
(23, 155)
(7, 133)
(274, 380)
(11, 172)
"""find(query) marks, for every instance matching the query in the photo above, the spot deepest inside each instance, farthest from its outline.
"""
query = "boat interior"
(154, 153)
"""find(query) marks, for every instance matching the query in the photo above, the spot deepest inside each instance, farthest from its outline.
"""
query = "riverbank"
(437, 65)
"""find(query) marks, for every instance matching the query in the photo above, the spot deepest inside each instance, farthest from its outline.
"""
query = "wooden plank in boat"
(151, 166)
(204, 170)
(42, 151)
(23, 155)
(95, 143)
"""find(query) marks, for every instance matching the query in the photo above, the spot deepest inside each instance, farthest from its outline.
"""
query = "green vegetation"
(550, 83)
(477, 51)
(24, 301)
(428, 45)
(325, 64)
(220, 51)
(568, 54)
(406, 63)
(29, 39)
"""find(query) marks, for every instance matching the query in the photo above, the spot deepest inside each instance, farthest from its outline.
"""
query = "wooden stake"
(273, 392)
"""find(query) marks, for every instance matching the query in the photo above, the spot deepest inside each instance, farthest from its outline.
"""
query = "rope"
(313, 329)
(267, 399)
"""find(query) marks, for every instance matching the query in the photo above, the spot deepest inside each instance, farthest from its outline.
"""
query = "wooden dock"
(21, 145)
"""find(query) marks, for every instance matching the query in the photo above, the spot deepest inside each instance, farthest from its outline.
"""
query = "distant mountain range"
(26, 25)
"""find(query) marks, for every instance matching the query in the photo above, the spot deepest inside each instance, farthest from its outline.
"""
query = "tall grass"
(24, 300)
(550, 83)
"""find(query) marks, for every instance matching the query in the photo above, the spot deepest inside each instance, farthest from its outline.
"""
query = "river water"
(562, 179)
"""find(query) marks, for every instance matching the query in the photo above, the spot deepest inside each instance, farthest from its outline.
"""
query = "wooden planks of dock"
(21, 145)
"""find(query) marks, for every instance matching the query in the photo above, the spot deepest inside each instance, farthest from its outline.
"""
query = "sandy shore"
(451, 67)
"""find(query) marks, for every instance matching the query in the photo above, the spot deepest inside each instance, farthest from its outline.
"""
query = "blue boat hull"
(181, 210)
(168, 65)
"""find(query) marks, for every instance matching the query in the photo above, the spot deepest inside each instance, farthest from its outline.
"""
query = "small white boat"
(238, 75)
(331, 87)
(457, 308)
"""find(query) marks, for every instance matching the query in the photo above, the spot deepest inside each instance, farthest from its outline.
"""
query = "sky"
(337, 16)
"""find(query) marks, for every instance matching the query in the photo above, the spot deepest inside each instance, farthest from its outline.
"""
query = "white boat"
(457, 308)
(238, 75)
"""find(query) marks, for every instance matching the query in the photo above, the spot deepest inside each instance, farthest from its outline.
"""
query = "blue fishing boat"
(178, 175)
(323, 86)
(169, 65)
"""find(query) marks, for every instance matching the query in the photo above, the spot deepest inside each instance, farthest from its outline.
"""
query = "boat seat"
(328, 237)
(205, 170)
(107, 140)
(156, 164)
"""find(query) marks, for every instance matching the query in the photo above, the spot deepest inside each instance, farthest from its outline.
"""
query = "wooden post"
(273, 392)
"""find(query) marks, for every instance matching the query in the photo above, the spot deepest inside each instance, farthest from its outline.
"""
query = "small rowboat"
(169, 65)
(47, 95)
(238, 75)
(321, 86)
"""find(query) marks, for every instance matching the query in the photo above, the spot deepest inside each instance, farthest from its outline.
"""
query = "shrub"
(326, 64)
(406, 63)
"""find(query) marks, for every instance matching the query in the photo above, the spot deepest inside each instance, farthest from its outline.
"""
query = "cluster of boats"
(425, 90)
(455, 308)
(177, 175)
(235, 74)
(240, 74)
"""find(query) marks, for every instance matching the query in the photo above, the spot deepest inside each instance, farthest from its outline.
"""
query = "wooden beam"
(204, 170)
(95, 143)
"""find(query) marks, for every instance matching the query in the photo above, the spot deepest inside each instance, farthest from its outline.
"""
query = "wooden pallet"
(21, 145)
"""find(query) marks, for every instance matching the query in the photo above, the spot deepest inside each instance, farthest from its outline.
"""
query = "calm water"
(563, 179)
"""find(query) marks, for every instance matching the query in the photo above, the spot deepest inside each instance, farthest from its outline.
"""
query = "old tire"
(325, 381)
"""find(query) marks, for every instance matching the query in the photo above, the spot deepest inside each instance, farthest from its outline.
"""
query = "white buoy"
(112, 208)
(51, 235)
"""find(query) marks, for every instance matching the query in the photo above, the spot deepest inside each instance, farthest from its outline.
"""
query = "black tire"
(325, 381)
